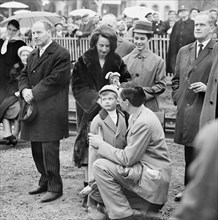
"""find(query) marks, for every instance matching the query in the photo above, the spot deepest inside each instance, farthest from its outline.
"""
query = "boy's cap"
(110, 88)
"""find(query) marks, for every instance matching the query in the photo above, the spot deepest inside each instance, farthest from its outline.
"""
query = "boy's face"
(108, 101)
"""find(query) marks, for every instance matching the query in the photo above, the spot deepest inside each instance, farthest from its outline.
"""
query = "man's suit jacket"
(48, 76)
(189, 104)
(209, 109)
(145, 157)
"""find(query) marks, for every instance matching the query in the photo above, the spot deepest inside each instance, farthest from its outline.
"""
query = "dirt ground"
(18, 175)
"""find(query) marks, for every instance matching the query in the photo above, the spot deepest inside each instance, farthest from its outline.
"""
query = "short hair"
(211, 20)
(171, 11)
(15, 23)
(46, 24)
(58, 24)
(133, 92)
(195, 9)
(105, 32)
(104, 93)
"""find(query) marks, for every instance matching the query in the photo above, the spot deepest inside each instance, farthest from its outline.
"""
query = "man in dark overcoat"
(189, 84)
(182, 34)
(45, 83)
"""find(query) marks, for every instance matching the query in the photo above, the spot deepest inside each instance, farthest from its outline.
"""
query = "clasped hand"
(27, 95)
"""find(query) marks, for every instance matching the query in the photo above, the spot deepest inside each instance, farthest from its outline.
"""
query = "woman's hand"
(95, 140)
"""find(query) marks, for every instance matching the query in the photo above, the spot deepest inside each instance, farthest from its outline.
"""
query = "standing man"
(44, 83)
(189, 85)
(182, 34)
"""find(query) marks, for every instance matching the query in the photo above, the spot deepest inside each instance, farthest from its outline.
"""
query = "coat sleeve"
(85, 96)
(124, 74)
(159, 81)
(176, 79)
(135, 149)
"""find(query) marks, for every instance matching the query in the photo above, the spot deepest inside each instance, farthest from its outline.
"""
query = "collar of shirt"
(141, 54)
(42, 50)
(204, 44)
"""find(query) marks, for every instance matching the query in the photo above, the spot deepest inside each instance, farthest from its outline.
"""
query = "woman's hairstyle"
(105, 32)
(134, 93)
(15, 23)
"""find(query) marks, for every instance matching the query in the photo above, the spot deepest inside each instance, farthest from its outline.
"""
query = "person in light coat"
(143, 167)
(146, 68)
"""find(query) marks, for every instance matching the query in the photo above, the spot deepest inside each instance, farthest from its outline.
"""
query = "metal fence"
(76, 47)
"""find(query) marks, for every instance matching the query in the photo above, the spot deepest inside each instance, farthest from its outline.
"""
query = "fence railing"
(76, 47)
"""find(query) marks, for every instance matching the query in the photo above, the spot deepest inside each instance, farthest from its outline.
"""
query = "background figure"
(142, 169)
(59, 30)
(71, 30)
(189, 85)
(210, 106)
(45, 84)
(193, 13)
(200, 199)
(86, 27)
(11, 114)
(88, 78)
(9, 45)
(214, 13)
(146, 68)
(182, 34)
(167, 26)
(124, 47)
(156, 24)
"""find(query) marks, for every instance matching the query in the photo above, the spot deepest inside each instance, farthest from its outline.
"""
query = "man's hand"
(198, 87)
(85, 191)
(95, 140)
(27, 95)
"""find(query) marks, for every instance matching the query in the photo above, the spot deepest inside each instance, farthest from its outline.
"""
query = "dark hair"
(105, 32)
(194, 9)
(15, 23)
(171, 11)
(134, 93)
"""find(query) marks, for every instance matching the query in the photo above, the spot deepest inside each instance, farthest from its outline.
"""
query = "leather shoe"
(178, 197)
(51, 196)
(40, 189)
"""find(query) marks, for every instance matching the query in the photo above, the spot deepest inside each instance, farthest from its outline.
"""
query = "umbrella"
(29, 18)
(82, 12)
(13, 4)
(137, 12)
(21, 11)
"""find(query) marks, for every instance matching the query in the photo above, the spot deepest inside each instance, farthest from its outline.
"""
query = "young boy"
(111, 125)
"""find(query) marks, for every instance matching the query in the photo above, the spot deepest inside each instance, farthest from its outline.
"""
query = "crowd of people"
(116, 84)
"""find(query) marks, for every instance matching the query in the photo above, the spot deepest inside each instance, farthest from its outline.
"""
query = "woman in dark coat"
(9, 46)
(88, 78)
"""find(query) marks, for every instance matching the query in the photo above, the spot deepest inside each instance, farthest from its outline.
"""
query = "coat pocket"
(131, 174)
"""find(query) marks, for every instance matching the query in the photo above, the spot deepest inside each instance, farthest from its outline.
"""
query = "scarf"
(7, 40)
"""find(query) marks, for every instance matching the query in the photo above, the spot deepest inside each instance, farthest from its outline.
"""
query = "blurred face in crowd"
(172, 16)
(96, 19)
(193, 14)
(103, 47)
(41, 34)
(108, 100)
(184, 14)
(149, 17)
(129, 22)
(23, 56)
(140, 41)
(214, 14)
(59, 27)
(11, 31)
(156, 17)
(203, 29)
(123, 103)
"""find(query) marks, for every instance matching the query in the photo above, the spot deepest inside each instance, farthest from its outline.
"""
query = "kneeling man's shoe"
(38, 190)
(51, 196)
(95, 214)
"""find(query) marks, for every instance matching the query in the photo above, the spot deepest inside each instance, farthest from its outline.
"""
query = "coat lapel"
(38, 60)
(205, 52)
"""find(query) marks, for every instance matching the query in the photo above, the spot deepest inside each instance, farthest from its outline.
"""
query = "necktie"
(200, 49)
